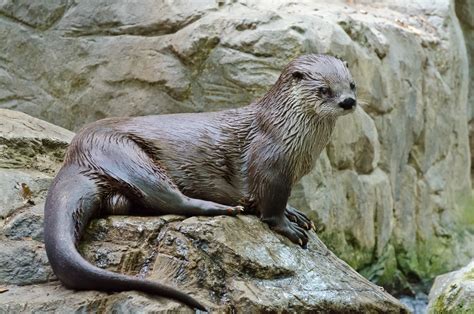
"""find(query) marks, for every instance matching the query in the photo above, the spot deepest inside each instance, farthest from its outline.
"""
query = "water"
(416, 304)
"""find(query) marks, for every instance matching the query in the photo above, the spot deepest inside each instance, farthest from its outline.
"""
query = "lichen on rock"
(453, 292)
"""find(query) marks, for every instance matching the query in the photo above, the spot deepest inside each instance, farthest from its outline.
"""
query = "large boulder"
(453, 292)
(385, 194)
(229, 263)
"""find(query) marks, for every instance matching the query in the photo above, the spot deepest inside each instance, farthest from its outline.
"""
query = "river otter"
(213, 163)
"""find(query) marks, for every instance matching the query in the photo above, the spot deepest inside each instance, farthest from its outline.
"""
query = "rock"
(38, 14)
(465, 12)
(229, 263)
(386, 193)
(453, 292)
(13, 197)
(124, 18)
(355, 143)
(23, 263)
(25, 223)
(52, 297)
(30, 143)
(31, 151)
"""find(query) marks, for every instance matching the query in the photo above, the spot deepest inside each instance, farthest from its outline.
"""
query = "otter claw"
(313, 226)
(300, 242)
(235, 210)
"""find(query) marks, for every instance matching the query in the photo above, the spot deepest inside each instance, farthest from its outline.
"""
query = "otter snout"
(348, 103)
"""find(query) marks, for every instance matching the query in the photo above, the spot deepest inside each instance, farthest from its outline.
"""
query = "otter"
(214, 163)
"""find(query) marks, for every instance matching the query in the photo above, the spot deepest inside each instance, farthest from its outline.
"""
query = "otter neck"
(300, 135)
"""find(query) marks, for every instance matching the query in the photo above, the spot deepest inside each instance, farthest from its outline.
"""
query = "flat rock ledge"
(453, 292)
(229, 263)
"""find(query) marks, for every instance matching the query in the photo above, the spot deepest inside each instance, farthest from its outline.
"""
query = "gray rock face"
(384, 194)
(30, 154)
(453, 292)
(24, 263)
(40, 14)
(228, 263)
(31, 151)
(465, 12)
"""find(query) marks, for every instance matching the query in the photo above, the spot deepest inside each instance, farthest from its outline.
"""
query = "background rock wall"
(465, 14)
(385, 192)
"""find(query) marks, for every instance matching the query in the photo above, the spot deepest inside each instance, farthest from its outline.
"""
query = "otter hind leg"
(138, 181)
(117, 204)
(197, 207)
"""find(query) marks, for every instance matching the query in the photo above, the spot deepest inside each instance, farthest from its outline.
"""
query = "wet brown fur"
(195, 164)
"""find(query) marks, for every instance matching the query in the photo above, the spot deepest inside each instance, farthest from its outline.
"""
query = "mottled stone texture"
(453, 292)
(385, 192)
(465, 13)
(231, 264)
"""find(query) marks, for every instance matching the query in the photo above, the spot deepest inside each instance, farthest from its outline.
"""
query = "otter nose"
(348, 103)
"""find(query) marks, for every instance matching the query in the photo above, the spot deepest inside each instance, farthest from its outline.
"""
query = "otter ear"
(297, 75)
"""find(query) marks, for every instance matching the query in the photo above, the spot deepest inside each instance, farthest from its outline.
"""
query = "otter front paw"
(299, 218)
(290, 230)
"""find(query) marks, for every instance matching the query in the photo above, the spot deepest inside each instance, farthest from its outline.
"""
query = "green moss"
(439, 306)
(466, 218)
(469, 275)
(384, 269)
(449, 301)
(433, 257)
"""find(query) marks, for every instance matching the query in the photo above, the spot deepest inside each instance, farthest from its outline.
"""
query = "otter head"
(323, 84)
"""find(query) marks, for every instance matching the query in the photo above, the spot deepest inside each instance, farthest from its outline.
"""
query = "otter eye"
(325, 91)
(352, 85)
(298, 75)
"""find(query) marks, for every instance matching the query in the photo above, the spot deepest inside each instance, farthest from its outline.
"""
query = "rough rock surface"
(30, 154)
(229, 263)
(453, 292)
(385, 193)
(465, 13)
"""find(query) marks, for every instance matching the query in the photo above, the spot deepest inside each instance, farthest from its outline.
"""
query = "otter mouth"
(347, 108)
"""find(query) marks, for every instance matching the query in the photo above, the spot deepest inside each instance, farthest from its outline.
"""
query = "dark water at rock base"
(416, 304)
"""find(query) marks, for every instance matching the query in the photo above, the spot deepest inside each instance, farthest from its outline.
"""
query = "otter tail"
(71, 202)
